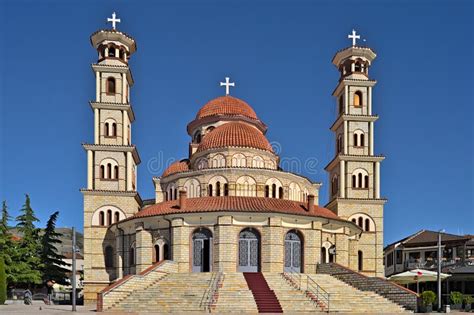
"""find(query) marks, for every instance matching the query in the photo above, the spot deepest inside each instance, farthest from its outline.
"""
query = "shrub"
(3, 282)
(467, 299)
(456, 297)
(428, 297)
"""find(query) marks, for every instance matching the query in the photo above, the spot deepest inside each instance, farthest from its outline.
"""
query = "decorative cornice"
(352, 82)
(215, 118)
(96, 192)
(352, 117)
(339, 200)
(353, 158)
(114, 106)
(114, 148)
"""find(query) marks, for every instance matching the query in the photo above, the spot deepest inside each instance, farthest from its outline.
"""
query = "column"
(96, 125)
(119, 254)
(272, 257)
(124, 86)
(225, 245)
(371, 132)
(377, 180)
(342, 249)
(143, 248)
(97, 86)
(342, 189)
(129, 171)
(90, 169)
(346, 99)
(180, 243)
(369, 101)
(117, 52)
(346, 145)
(312, 247)
(124, 127)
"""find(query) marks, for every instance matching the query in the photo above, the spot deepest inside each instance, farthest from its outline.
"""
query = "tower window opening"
(280, 192)
(367, 225)
(209, 191)
(114, 130)
(101, 218)
(110, 85)
(116, 216)
(109, 217)
(360, 223)
(109, 171)
(359, 178)
(121, 54)
(106, 127)
(116, 172)
(267, 191)
(111, 51)
(341, 105)
(354, 181)
(354, 221)
(358, 67)
(218, 189)
(339, 144)
(366, 181)
(274, 191)
(358, 99)
(226, 189)
(356, 142)
(362, 140)
(102, 171)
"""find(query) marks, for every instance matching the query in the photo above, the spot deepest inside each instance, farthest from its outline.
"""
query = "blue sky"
(279, 54)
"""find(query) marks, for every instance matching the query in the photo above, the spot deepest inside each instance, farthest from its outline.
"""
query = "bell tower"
(111, 192)
(354, 172)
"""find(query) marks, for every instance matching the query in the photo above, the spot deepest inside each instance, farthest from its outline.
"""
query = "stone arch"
(110, 128)
(246, 186)
(202, 163)
(293, 251)
(364, 221)
(218, 160)
(360, 178)
(239, 160)
(201, 250)
(217, 186)
(109, 169)
(171, 192)
(294, 191)
(326, 252)
(96, 216)
(193, 188)
(272, 188)
(160, 250)
(258, 162)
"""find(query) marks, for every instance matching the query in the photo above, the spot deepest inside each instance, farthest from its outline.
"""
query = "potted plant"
(428, 297)
(467, 299)
(456, 300)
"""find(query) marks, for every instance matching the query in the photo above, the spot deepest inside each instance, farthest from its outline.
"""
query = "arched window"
(226, 189)
(111, 51)
(356, 143)
(101, 218)
(116, 172)
(246, 186)
(341, 104)
(197, 137)
(218, 189)
(359, 178)
(210, 128)
(360, 258)
(102, 171)
(239, 160)
(280, 192)
(339, 144)
(109, 257)
(156, 253)
(109, 170)
(218, 161)
(109, 217)
(354, 181)
(209, 190)
(358, 67)
(110, 85)
(267, 191)
(367, 225)
(274, 191)
(193, 188)
(117, 216)
(360, 222)
(114, 130)
(358, 99)
(354, 221)
(362, 140)
(257, 162)
(366, 181)
(106, 129)
(132, 255)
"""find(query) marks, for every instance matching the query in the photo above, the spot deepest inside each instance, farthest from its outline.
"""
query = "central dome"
(235, 134)
(226, 105)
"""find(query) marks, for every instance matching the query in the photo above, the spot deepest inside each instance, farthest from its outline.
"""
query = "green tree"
(52, 261)
(3, 282)
(6, 243)
(26, 254)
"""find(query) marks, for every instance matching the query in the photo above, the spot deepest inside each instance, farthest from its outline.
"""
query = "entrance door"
(202, 252)
(292, 252)
(249, 252)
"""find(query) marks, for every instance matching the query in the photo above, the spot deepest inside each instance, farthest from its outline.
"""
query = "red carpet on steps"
(266, 300)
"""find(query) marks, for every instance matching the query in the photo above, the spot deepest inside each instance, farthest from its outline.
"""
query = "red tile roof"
(235, 134)
(237, 204)
(226, 105)
(176, 167)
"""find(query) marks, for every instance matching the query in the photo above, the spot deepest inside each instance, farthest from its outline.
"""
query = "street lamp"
(439, 269)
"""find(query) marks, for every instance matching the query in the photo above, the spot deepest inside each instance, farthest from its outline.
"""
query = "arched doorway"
(249, 250)
(293, 251)
(202, 250)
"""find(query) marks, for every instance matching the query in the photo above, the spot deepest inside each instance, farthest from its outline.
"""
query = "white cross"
(227, 85)
(114, 20)
(354, 37)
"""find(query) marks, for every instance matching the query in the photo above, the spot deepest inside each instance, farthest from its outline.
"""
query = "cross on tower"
(227, 85)
(114, 20)
(354, 37)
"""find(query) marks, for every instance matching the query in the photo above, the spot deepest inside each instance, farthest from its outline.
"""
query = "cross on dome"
(227, 85)
(113, 20)
(354, 37)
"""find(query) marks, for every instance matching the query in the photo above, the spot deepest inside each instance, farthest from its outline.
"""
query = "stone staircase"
(264, 296)
(347, 299)
(291, 299)
(129, 284)
(234, 296)
(177, 292)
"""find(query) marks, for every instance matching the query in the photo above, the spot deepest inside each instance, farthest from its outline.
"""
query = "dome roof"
(176, 167)
(235, 134)
(226, 105)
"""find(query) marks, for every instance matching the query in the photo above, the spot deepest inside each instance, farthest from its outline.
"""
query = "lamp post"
(439, 269)
(73, 280)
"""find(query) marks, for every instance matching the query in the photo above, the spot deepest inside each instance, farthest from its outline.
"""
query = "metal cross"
(354, 37)
(227, 85)
(114, 20)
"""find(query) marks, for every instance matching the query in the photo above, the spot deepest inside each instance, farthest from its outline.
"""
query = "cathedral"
(228, 206)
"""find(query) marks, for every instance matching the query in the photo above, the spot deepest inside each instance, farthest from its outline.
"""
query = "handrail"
(318, 295)
(210, 295)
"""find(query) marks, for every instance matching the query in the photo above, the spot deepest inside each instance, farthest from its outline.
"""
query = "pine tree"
(26, 255)
(53, 262)
(3, 282)
(6, 243)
